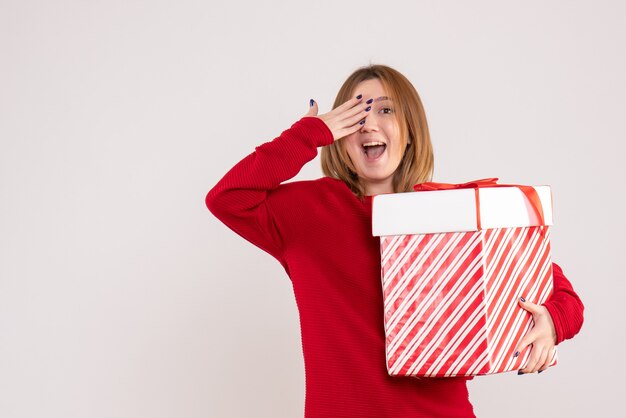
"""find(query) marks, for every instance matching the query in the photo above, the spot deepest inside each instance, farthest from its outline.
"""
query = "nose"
(371, 124)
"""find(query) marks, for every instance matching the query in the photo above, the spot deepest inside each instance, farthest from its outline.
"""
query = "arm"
(242, 198)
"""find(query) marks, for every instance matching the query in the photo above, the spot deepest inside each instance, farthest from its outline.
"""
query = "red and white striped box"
(454, 265)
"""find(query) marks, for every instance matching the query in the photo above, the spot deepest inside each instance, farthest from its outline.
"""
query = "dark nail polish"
(522, 299)
(311, 103)
(370, 101)
(368, 108)
(359, 97)
(516, 354)
(539, 371)
(519, 372)
(362, 122)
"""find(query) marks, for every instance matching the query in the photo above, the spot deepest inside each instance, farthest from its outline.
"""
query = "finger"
(535, 353)
(347, 131)
(355, 119)
(347, 119)
(529, 306)
(528, 339)
(352, 125)
(549, 358)
(312, 108)
(537, 359)
(348, 104)
(355, 112)
(541, 361)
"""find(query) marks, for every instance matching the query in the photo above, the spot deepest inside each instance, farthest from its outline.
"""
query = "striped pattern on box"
(451, 299)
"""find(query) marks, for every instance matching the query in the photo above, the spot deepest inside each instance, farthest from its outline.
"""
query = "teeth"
(373, 144)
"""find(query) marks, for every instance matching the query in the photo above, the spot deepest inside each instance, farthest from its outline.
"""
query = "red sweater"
(321, 234)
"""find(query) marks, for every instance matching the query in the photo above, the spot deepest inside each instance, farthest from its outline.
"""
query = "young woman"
(374, 141)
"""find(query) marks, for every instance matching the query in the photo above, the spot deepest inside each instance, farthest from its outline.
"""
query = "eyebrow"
(381, 98)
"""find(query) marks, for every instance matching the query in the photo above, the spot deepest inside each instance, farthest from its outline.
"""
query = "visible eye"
(386, 110)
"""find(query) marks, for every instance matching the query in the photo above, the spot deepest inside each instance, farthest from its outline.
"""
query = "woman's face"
(376, 149)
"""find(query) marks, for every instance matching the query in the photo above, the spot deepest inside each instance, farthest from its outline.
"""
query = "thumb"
(312, 108)
(529, 306)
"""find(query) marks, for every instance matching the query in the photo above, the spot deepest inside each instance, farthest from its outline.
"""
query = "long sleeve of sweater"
(241, 199)
(565, 307)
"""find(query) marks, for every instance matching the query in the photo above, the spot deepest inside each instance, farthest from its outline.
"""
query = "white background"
(121, 296)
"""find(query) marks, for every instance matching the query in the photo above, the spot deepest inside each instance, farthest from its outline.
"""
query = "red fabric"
(565, 307)
(321, 234)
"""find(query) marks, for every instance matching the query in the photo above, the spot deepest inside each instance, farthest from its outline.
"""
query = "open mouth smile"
(373, 150)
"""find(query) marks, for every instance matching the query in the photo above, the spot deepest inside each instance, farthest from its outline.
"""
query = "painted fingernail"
(516, 354)
(522, 299)
(368, 108)
(311, 103)
(359, 97)
(519, 372)
(539, 371)
(370, 101)
(362, 122)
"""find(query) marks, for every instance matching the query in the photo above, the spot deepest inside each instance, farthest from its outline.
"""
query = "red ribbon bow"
(529, 192)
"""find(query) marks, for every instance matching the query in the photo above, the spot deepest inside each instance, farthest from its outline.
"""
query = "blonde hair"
(418, 161)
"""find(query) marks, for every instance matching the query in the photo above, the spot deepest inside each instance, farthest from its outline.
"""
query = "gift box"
(455, 259)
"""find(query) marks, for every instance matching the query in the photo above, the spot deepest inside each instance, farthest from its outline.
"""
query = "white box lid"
(455, 210)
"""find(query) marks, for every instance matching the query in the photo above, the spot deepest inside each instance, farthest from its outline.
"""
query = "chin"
(376, 178)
